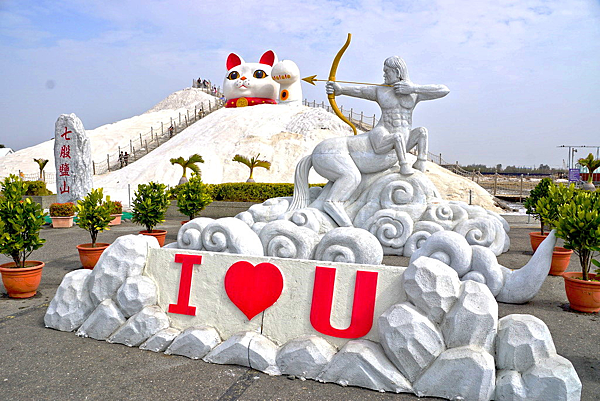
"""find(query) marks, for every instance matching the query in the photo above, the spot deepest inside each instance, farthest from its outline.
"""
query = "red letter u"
(363, 307)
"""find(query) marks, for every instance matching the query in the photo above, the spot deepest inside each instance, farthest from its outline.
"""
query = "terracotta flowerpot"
(536, 239)
(158, 234)
(116, 219)
(184, 221)
(583, 296)
(89, 255)
(560, 260)
(22, 283)
(62, 222)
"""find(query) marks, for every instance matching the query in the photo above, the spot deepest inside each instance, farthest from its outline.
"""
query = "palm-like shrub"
(192, 197)
(591, 164)
(93, 213)
(188, 163)
(41, 164)
(20, 221)
(252, 163)
(149, 205)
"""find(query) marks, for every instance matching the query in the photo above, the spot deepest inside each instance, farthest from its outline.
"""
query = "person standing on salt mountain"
(394, 130)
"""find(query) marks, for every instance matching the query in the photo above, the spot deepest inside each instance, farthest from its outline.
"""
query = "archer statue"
(343, 160)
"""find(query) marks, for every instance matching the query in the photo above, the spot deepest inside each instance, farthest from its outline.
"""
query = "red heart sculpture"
(253, 288)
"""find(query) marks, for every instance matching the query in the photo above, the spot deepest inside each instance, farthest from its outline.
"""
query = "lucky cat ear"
(233, 60)
(269, 58)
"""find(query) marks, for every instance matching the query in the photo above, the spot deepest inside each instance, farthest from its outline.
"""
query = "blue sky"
(524, 75)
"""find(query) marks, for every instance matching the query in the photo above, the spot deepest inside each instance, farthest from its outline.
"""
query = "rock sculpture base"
(443, 338)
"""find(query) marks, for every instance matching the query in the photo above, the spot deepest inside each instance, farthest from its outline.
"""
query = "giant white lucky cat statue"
(265, 82)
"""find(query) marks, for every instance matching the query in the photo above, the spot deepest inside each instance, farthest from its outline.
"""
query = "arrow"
(313, 78)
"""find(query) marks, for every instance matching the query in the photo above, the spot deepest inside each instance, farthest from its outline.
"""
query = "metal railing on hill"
(48, 178)
(140, 146)
(360, 120)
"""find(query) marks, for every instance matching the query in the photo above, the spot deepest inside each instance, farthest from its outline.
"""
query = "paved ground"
(44, 364)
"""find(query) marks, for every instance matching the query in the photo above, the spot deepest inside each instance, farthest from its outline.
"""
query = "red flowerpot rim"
(539, 234)
(35, 264)
(99, 245)
(578, 278)
(158, 232)
(560, 249)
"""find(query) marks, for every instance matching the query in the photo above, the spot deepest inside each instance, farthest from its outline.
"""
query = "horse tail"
(301, 193)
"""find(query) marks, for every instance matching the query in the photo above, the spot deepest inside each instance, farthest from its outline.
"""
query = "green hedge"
(250, 191)
(37, 188)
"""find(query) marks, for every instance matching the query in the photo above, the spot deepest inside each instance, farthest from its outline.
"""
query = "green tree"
(188, 163)
(252, 163)
(591, 163)
(150, 203)
(20, 221)
(41, 164)
(193, 197)
(93, 213)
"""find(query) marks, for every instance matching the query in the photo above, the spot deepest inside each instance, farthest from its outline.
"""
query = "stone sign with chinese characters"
(73, 158)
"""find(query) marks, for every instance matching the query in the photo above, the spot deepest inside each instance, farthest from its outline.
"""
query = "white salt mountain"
(282, 135)
(107, 138)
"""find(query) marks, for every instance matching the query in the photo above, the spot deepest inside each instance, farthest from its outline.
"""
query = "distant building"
(6, 151)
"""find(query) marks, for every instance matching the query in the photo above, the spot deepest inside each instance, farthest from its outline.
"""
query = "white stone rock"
(136, 293)
(269, 210)
(363, 363)
(392, 228)
(473, 320)
(523, 284)
(124, 258)
(409, 339)
(522, 341)
(448, 247)
(161, 340)
(510, 386)
(71, 304)
(284, 239)
(463, 373)
(421, 232)
(432, 286)
(349, 245)
(552, 379)
(189, 235)
(194, 342)
(484, 262)
(231, 235)
(140, 327)
(249, 349)
(103, 321)
(73, 159)
(305, 356)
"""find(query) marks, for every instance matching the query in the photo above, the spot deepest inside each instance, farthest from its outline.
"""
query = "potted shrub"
(20, 224)
(192, 197)
(540, 191)
(93, 215)
(116, 212)
(578, 224)
(591, 164)
(62, 214)
(252, 163)
(548, 209)
(149, 206)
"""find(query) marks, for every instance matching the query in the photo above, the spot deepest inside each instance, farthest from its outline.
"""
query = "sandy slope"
(106, 138)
